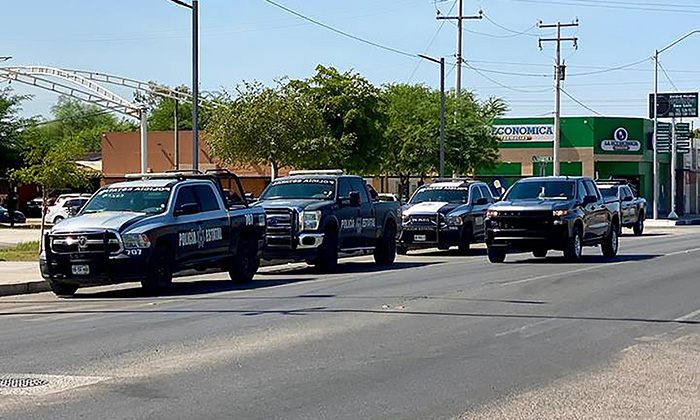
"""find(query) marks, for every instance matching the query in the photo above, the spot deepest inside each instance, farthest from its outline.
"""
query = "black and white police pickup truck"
(562, 213)
(146, 229)
(313, 216)
(632, 209)
(445, 214)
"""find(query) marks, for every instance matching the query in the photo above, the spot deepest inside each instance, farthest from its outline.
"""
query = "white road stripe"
(688, 316)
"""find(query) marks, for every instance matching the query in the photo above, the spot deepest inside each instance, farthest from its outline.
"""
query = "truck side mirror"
(589, 199)
(354, 199)
(186, 208)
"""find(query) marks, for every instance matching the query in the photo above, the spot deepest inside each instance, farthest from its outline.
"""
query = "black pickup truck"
(544, 213)
(313, 216)
(445, 214)
(148, 228)
(633, 209)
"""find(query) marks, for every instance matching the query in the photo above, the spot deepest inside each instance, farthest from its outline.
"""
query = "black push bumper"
(551, 237)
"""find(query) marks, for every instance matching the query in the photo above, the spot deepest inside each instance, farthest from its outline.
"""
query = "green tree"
(412, 132)
(350, 106)
(49, 163)
(11, 126)
(84, 123)
(276, 126)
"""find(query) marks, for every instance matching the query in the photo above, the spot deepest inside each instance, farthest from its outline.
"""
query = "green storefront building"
(599, 147)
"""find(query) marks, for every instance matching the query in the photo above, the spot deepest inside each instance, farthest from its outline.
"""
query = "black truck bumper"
(553, 237)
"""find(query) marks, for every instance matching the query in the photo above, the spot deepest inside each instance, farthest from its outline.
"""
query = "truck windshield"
(443, 195)
(608, 192)
(542, 190)
(136, 199)
(313, 189)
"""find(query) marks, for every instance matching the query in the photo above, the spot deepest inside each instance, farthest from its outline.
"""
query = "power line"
(481, 73)
(430, 44)
(609, 6)
(624, 66)
(668, 77)
(498, 25)
(580, 103)
(340, 32)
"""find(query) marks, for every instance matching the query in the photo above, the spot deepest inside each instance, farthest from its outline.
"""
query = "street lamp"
(655, 213)
(7, 58)
(441, 62)
(195, 79)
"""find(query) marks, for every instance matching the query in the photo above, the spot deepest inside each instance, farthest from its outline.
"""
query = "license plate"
(420, 238)
(80, 270)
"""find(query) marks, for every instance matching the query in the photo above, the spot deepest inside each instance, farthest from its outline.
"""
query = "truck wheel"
(496, 255)
(385, 252)
(401, 250)
(638, 227)
(539, 253)
(574, 246)
(244, 264)
(160, 272)
(465, 240)
(62, 289)
(57, 220)
(327, 261)
(611, 242)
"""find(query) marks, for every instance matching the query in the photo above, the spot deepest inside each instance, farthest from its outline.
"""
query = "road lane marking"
(687, 317)
(564, 273)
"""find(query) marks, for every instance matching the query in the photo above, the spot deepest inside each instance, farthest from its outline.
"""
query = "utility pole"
(559, 75)
(459, 18)
(176, 146)
(441, 62)
(195, 85)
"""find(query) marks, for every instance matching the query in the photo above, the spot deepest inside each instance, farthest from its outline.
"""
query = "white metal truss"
(147, 87)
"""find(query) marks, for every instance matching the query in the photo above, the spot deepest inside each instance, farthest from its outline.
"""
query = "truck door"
(478, 211)
(349, 216)
(186, 226)
(627, 206)
(599, 222)
(213, 222)
(368, 217)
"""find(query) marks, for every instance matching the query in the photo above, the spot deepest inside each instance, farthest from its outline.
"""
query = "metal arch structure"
(87, 88)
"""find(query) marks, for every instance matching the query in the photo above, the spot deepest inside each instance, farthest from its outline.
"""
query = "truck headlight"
(560, 213)
(491, 214)
(136, 241)
(309, 220)
(454, 221)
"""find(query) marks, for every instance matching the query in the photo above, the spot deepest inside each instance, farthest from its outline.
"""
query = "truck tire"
(385, 252)
(574, 246)
(62, 289)
(496, 255)
(638, 227)
(327, 261)
(611, 243)
(465, 240)
(160, 272)
(244, 264)
(401, 250)
(539, 253)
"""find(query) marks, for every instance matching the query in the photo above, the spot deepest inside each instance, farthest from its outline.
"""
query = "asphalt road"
(434, 337)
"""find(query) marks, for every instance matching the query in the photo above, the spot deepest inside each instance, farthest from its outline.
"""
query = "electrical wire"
(580, 103)
(609, 5)
(624, 66)
(494, 81)
(514, 32)
(668, 77)
(430, 44)
(340, 32)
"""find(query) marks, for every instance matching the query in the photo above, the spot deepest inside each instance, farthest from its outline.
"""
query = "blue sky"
(253, 40)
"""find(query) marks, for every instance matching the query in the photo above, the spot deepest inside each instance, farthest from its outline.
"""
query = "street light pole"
(441, 62)
(195, 79)
(672, 214)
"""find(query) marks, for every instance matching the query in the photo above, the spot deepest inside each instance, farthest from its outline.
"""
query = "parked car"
(5, 216)
(544, 213)
(445, 214)
(633, 209)
(34, 207)
(314, 216)
(148, 229)
(65, 208)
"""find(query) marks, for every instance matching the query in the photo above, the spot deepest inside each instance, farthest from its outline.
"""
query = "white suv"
(67, 205)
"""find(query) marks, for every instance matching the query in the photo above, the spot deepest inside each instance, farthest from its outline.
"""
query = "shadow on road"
(587, 259)
(452, 253)
(632, 235)
(347, 268)
(190, 288)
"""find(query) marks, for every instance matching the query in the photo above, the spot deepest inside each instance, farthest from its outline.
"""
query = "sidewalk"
(18, 278)
(687, 220)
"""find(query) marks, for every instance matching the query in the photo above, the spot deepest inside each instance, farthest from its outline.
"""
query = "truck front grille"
(85, 243)
(280, 228)
(535, 219)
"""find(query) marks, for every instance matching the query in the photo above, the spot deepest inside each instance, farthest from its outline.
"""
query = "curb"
(671, 223)
(25, 288)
